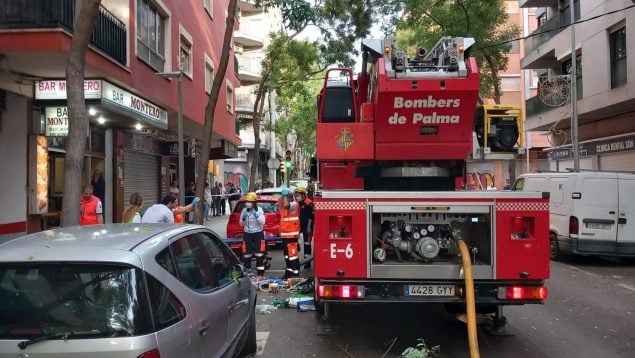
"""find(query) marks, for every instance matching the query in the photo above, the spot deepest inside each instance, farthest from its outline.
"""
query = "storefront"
(114, 115)
(606, 154)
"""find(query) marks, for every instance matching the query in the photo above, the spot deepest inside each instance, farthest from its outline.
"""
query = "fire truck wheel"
(554, 248)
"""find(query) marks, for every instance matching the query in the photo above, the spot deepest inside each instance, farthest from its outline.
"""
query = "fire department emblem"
(344, 139)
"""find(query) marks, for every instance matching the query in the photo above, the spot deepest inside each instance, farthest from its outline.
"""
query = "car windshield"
(266, 206)
(106, 300)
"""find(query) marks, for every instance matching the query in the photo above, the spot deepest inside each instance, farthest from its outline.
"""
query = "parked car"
(269, 205)
(124, 290)
(275, 192)
(591, 212)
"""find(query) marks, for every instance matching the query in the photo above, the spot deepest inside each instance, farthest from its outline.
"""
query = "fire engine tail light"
(523, 293)
(341, 291)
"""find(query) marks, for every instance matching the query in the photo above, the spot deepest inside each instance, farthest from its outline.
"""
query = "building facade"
(516, 85)
(133, 111)
(605, 93)
(250, 43)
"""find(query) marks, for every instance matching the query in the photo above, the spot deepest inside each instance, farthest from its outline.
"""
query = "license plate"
(598, 226)
(429, 290)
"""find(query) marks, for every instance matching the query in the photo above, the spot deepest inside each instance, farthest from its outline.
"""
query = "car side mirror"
(576, 195)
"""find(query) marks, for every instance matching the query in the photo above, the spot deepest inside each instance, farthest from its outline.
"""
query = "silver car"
(129, 290)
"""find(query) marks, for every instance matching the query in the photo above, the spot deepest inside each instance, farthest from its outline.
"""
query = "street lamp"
(179, 76)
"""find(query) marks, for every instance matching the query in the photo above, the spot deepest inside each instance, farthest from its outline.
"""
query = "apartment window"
(209, 74)
(510, 84)
(209, 7)
(541, 19)
(565, 13)
(566, 70)
(151, 24)
(185, 57)
(618, 57)
(535, 80)
(230, 97)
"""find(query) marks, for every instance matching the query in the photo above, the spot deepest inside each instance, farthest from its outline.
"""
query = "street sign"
(273, 163)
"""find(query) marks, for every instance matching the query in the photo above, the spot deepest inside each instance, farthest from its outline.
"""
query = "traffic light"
(287, 159)
(282, 168)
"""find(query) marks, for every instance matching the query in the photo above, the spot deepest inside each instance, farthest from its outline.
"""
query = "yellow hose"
(470, 304)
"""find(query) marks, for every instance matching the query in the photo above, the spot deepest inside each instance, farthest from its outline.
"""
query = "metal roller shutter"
(585, 163)
(141, 174)
(619, 161)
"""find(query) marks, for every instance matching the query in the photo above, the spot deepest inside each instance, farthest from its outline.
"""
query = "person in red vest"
(92, 210)
(290, 232)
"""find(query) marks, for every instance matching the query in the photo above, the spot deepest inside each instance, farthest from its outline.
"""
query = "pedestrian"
(207, 201)
(174, 188)
(131, 214)
(179, 212)
(306, 221)
(252, 219)
(160, 213)
(290, 232)
(99, 186)
(215, 200)
(223, 198)
(233, 196)
(92, 209)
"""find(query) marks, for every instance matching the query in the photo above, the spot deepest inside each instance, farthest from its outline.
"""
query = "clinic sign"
(604, 146)
(110, 95)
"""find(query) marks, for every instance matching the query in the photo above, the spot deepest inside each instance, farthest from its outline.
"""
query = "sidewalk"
(218, 224)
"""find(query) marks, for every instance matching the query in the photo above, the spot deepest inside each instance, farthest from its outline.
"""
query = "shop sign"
(56, 89)
(604, 146)
(56, 121)
(171, 149)
(123, 99)
(225, 151)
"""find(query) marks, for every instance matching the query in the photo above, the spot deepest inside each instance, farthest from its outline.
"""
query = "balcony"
(537, 3)
(545, 33)
(109, 34)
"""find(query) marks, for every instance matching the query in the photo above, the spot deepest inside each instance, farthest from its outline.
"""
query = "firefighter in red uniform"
(306, 220)
(290, 232)
(92, 210)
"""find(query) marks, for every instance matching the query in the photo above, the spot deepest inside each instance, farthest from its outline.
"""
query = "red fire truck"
(391, 152)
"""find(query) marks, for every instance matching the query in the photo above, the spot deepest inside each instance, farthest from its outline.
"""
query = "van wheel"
(554, 249)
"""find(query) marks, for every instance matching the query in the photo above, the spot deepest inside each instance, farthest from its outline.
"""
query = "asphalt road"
(590, 313)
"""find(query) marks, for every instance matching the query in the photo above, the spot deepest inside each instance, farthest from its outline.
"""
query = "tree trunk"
(497, 85)
(85, 17)
(219, 80)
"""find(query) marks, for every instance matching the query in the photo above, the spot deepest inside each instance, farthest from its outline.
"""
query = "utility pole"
(574, 92)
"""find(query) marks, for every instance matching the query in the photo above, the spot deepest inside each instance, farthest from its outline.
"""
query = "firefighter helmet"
(300, 190)
(251, 196)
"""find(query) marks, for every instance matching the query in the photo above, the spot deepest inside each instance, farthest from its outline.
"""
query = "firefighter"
(306, 221)
(290, 232)
(252, 218)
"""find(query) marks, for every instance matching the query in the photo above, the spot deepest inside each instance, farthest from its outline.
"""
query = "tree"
(85, 17)
(341, 23)
(219, 80)
(486, 21)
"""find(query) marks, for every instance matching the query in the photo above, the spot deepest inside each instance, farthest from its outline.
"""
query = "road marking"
(261, 341)
(628, 287)
(584, 271)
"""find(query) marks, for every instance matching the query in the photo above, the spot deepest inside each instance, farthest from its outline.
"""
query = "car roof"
(106, 243)
(262, 198)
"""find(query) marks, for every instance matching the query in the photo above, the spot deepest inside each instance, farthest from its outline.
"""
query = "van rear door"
(597, 213)
(626, 215)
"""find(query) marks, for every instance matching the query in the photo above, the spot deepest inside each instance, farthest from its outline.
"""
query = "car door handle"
(204, 328)
(237, 305)
(621, 221)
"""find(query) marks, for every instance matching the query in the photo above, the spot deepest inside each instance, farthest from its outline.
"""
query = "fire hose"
(470, 304)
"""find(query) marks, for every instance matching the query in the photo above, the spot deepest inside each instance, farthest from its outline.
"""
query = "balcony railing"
(535, 106)
(109, 34)
(546, 32)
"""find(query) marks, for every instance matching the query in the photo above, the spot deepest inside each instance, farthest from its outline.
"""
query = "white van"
(592, 212)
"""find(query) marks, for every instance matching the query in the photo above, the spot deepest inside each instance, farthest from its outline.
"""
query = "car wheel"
(554, 249)
(251, 346)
